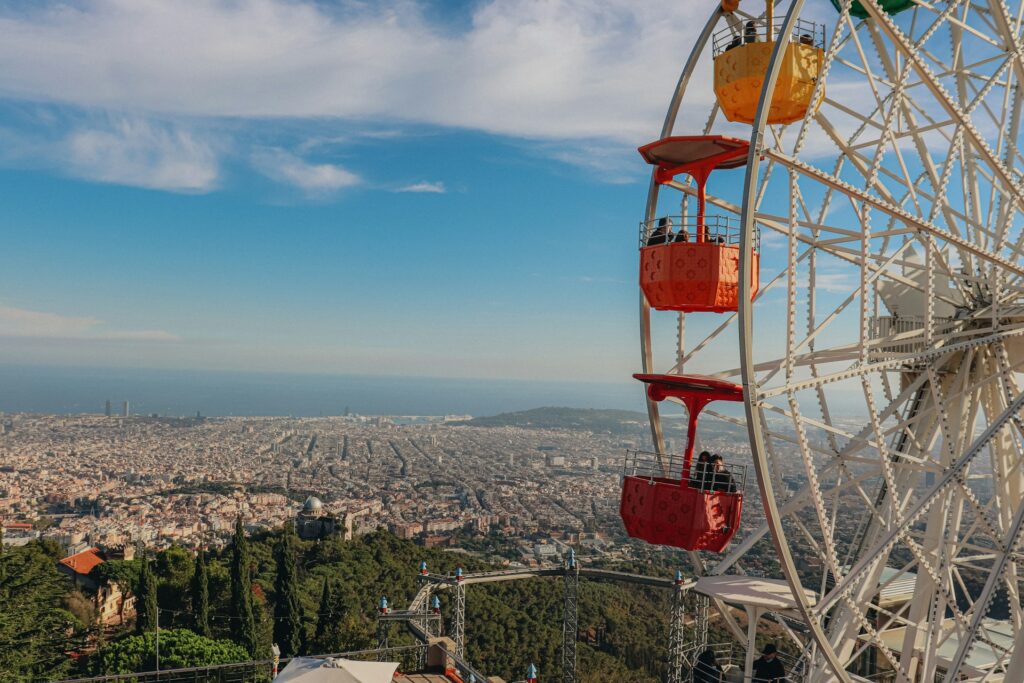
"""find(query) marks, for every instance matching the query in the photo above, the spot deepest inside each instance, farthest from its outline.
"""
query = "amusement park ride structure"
(874, 340)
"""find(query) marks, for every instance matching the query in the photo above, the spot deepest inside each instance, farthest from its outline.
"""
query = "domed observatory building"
(313, 522)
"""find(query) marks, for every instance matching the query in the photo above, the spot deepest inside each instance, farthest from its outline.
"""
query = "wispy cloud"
(20, 322)
(543, 70)
(137, 152)
(312, 178)
(424, 186)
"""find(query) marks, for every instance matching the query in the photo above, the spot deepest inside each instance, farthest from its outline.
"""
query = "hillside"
(508, 625)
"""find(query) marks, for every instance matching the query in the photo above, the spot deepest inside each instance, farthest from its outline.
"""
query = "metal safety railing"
(756, 31)
(713, 228)
(728, 478)
(258, 671)
(907, 334)
(730, 658)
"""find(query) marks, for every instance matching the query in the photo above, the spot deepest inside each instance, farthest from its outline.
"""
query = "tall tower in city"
(106, 410)
(125, 409)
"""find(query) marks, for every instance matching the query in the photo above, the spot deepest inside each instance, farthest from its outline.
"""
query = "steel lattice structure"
(459, 620)
(880, 357)
(677, 637)
(570, 622)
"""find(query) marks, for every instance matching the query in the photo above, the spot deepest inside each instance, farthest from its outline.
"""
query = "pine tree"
(147, 604)
(243, 624)
(324, 619)
(287, 611)
(201, 596)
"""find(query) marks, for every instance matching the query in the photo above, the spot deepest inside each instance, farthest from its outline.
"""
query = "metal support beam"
(570, 622)
(426, 623)
(677, 635)
(383, 630)
(459, 620)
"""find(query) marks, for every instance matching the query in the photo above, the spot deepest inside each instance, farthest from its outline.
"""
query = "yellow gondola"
(741, 61)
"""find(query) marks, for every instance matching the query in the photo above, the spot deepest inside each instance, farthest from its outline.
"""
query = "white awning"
(330, 670)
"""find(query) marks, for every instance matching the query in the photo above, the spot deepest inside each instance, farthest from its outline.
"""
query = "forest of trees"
(311, 598)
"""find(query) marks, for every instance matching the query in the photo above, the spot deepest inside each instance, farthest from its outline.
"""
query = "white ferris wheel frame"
(828, 663)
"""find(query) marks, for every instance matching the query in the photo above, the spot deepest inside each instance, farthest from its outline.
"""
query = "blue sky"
(399, 187)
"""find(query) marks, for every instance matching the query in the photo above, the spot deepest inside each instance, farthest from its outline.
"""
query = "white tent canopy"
(330, 670)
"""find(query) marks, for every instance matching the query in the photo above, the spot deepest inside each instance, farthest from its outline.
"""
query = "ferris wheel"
(835, 241)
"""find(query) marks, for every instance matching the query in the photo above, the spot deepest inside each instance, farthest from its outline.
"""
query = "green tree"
(243, 622)
(179, 648)
(325, 620)
(126, 573)
(287, 611)
(36, 628)
(200, 595)
(147, 602)
(174, 568)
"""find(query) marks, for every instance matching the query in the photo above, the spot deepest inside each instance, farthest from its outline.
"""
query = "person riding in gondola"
(662, 233)
(750, 32)
(720, 479)
(701, 471)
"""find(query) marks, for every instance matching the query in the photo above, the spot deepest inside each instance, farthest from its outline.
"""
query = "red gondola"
(680, 272)
(680, 512)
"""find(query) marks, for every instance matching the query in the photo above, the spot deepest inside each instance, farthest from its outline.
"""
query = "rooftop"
(83, 562)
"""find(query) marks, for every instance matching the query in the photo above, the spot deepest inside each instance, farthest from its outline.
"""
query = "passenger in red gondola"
(683, 235)
(700, 474)
(662, 233)
(721, 480)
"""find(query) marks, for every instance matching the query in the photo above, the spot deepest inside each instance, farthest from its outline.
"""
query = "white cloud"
(20, 322)
(424, 186)
(133, 151)
(285, 167)
(546, 70)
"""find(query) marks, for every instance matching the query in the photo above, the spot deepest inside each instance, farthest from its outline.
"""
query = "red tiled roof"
(83, 562)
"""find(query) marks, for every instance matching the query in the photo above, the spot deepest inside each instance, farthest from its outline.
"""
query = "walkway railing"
(258, 671)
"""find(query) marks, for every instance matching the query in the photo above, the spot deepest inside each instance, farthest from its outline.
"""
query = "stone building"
(313, 522)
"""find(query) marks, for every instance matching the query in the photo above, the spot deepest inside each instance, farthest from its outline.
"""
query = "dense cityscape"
(104, 481)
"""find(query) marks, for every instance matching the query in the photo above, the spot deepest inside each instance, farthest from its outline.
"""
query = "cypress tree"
(201, 595)
(287, 611)
(324, 619)
(147, 603)
(243, 624)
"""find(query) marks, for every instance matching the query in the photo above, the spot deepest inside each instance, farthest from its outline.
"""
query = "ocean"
(66, 390)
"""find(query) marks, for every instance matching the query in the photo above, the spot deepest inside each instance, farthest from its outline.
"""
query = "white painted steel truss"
(881, 356)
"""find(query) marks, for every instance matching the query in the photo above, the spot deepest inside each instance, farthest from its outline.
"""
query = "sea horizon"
(222, 393)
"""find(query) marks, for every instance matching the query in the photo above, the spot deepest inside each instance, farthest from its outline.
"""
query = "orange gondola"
(694, 271)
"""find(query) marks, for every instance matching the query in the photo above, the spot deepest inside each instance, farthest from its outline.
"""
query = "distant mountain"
(594, 420)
